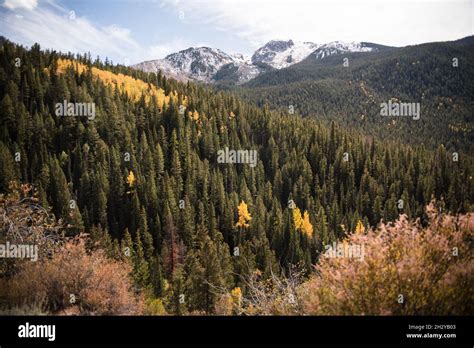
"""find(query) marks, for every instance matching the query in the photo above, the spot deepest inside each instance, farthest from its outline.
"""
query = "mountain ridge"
(212, 65)
(432, 74)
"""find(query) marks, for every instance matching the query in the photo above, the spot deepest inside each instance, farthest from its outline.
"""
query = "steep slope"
(210, 65)
(147, 180)
(438, 76)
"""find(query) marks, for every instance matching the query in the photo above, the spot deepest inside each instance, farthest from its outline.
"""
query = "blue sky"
(130, 31)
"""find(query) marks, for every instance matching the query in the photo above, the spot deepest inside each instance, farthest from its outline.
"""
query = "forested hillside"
(142, 176)
(349, 88)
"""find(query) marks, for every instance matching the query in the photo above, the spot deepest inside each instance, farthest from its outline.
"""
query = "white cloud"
(398, 22)
(118, 32)
(175, 45)
(53, 27)
(162, 50)
(248, 23)
(26, 4)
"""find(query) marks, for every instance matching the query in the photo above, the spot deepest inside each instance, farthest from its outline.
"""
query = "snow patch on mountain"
(212, 65)
(200, 64)
(338, 47)
(282, 54)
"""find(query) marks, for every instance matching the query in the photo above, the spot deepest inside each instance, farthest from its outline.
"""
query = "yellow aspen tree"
(359, 227)
(297, 219)
(244, 215)
(236, 295)
(134, 87)
(194, 115)
(131, 179)
(306, 225)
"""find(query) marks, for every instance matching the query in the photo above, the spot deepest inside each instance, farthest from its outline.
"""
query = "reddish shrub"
(406, 269)
(90, 284)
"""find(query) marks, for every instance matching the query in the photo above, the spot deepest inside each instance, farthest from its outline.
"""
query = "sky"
(131, 31)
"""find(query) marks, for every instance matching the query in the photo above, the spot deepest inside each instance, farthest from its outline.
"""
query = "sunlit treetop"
(135, 88)
(244, 215)
(302, 223)
(359, 227)
(131, 179)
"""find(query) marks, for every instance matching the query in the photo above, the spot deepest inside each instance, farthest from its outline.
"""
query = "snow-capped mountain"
(203, 64)
(282, 54)
(338, 47)
(212, 65)
(200, 64)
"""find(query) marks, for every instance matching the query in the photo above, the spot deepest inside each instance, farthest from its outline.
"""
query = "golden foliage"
(244, 215)
(307, 227)
(133, 87)
(236, 295)
(359, 227)
(131, 179)
(302, 223)
(297, 219)
(193, 115)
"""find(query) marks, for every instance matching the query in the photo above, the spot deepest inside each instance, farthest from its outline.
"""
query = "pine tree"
(171, 252)
(130, 168)
(212, 277)
(7, 168)
(59, 191)
(141, 269)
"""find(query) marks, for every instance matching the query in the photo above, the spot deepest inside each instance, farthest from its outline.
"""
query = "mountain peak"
(338, 47)
(281, 54)
(208, 64)
(278, 45)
